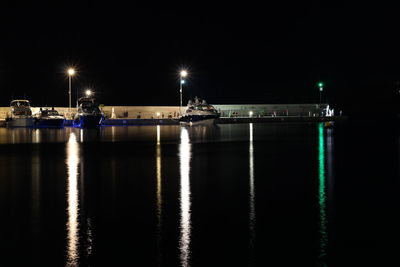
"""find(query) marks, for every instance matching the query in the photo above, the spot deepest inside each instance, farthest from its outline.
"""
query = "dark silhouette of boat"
(88, 113)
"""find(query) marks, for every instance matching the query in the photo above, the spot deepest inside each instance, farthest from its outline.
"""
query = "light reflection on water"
(185, 201)
(325, 173)
(329, 163)
(72, 201)
(35, 199)
(30, 135)
(252, 213)
(159, 193)
(252, 207)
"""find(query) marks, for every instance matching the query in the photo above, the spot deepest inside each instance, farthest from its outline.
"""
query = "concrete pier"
(168, 115)
(161, 112)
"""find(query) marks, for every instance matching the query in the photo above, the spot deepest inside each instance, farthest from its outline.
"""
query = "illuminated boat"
(88, 113)
(20, 115)
(199, 112)
(49, 118)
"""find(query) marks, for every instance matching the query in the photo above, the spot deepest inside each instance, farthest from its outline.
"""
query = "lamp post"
(71, 72)
(182, 75)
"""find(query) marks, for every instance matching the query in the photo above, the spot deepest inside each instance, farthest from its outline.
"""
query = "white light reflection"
(113, 134)
(81, 135)
(89, 238)
(159, 193)
(158, 135)
(185, 202)
(36, 136)
(252, 213)
(73, 202)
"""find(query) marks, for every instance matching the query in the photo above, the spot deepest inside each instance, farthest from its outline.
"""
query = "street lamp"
(71, 72)
(321, 88)
(88, 92)
(182, 75)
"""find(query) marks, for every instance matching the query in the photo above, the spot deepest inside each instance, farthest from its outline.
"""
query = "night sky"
(235, 53)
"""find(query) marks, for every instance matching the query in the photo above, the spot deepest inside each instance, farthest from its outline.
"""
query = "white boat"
(199, 112)
(20, 115)
(48, 118)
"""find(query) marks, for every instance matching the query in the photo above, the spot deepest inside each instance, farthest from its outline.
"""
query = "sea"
(251, 194)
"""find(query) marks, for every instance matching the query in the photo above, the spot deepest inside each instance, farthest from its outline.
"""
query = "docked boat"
(20, 114)
(49, 118)
(88, 113)
(199, 112)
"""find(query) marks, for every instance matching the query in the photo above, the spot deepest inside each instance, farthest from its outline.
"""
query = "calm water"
(226, 195)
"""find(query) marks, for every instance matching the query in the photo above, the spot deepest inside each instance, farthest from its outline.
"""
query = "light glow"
(71, 72)
(183, 73)
(88, 92)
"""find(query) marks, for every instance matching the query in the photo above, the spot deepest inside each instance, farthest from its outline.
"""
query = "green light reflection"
(322, 200)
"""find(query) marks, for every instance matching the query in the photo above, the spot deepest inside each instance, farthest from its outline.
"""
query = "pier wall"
(159, 112)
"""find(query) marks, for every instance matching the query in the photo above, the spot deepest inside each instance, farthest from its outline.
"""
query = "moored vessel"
(20, 114)
(88, 113)
(199, 112)
(49, 118)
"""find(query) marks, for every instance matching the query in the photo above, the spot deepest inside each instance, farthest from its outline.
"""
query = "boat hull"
(87, 121)
(20, 122)
(198, 119)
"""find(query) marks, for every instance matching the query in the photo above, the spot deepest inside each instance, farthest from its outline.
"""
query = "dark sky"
(235, 53)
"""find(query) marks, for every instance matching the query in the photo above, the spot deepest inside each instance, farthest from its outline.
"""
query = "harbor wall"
(160, 112)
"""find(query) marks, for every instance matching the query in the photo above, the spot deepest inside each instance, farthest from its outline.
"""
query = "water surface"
(281, 194)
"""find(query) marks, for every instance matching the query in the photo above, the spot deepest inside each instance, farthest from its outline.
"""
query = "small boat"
(49, 118)
(199, 112)
(88, 113)
(20, 115)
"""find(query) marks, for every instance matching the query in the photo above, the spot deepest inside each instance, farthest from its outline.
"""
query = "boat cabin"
(48, 112)
(199, 104)
(20, 108)
(20, 103)
(88, 105)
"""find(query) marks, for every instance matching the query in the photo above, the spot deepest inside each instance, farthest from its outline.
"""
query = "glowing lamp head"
(71, 72)
(88, 92)
(182, 81)
(183, 73)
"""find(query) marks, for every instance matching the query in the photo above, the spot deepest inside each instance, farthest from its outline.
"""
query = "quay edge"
(223, 120)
